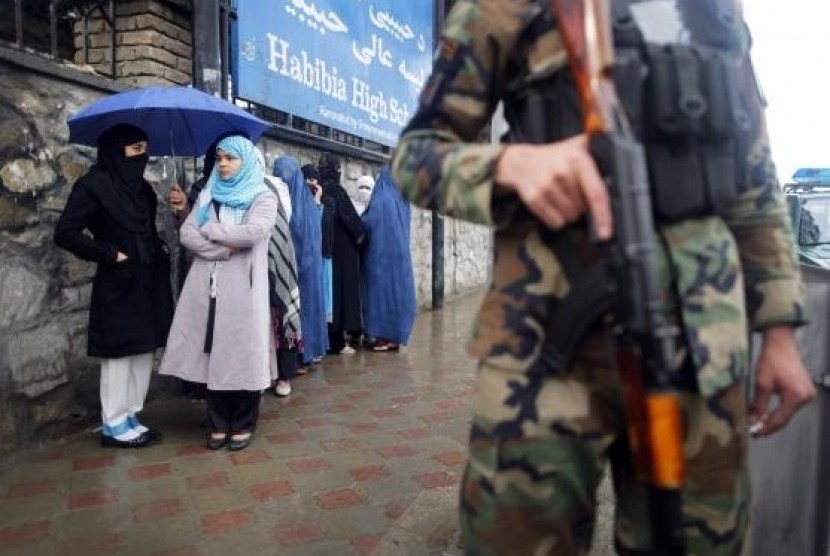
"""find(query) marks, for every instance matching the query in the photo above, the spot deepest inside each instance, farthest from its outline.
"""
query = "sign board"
(355, 65)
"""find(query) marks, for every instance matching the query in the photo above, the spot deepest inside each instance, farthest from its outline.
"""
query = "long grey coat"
(239, 358)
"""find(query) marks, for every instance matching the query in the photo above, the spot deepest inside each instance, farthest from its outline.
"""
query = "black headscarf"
(126, 197)
(310, 172)
(329, 169)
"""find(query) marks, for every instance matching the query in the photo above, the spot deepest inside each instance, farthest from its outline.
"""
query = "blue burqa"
(388, 280)
(306, 232)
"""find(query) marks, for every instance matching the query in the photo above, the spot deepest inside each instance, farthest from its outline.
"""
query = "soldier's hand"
(557, 182)
(779, 371)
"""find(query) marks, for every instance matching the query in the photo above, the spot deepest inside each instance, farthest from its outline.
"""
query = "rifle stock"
(645, 341)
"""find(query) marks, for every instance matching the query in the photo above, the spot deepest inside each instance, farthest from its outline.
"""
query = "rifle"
(644, 339)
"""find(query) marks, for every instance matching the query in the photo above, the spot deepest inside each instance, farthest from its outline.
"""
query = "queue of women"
(286, 269)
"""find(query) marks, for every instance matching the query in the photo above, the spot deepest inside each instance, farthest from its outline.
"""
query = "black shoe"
(112, 442)
(216, 443)
(153, 434)
(236, 445)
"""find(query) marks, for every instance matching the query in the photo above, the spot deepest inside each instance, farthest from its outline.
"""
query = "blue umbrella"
(179, 121)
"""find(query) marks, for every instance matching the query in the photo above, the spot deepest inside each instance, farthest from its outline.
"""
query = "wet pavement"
(364, 458)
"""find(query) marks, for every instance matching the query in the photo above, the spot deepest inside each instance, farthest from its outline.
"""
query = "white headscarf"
(363, 193)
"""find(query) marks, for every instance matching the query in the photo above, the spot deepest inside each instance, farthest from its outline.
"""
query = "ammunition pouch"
(692, 132)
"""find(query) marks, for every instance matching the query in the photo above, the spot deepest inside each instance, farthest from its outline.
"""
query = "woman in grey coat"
(221, 331)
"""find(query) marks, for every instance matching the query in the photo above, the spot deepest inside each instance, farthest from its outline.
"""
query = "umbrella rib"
(192, 135)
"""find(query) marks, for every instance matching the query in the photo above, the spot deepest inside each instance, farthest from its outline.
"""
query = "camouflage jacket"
(724, 274)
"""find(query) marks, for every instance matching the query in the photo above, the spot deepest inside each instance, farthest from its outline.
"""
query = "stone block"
(14, 215)
(22, 294)
(10, 432)
(160, 9)
(139, 37)
(93, 40)
(52, 411)
(72, 165)
(125, 23)
(93, 56)
(185, 65)
(134, 7)
(75, 298)
(145, 80)
(160, 55)
(54, 201)
(23, 175)
(77, 271)
(14, 133)
(30, 237)
(142, 68)
(179, 48)
(158, 24)
(94, 25)
(37, 359)
(176, 76)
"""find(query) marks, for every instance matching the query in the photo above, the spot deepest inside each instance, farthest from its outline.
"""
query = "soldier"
(540, 439)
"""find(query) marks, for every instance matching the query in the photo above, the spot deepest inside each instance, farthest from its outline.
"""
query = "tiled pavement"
(364, 458)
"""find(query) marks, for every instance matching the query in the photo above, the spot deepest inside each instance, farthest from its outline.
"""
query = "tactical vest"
(681, 94)
(676, 77)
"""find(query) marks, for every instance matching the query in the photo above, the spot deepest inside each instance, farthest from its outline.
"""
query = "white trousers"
(124, 384)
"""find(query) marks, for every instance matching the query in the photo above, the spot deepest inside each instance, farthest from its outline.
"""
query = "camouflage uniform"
(540, 440)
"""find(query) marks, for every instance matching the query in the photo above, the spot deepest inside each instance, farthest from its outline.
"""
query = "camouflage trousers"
(539, 447)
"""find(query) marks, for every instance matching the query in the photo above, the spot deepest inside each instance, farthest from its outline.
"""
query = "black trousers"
(232, 411)
(337, 341)
(287, 363)
(337, 338)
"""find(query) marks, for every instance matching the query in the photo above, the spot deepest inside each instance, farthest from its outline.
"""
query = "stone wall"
(46, 381)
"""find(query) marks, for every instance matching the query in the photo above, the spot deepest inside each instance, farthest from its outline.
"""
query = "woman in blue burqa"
(388, 280)
(306, 232)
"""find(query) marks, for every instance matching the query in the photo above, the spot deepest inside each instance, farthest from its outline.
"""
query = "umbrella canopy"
(179, 121)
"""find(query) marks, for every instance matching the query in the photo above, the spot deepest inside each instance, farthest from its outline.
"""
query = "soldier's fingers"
(573, 192)
(558, 196)
(548, 214)
(780, 416)
(596, 196)
(760, 402)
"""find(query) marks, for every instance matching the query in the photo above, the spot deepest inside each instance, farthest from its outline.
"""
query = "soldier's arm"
(438, 163)
(761, 225)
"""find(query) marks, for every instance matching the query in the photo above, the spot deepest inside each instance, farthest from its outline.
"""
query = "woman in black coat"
(347, 240)
(132, 303)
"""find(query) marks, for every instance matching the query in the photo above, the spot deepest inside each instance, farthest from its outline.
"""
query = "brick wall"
(152, 44)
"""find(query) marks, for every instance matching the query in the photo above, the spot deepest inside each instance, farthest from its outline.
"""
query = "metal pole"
(112, 37)
(225, 45)
(821, 542)
(18, 22)
(53, 28)
(207, 69)
(437, 219)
